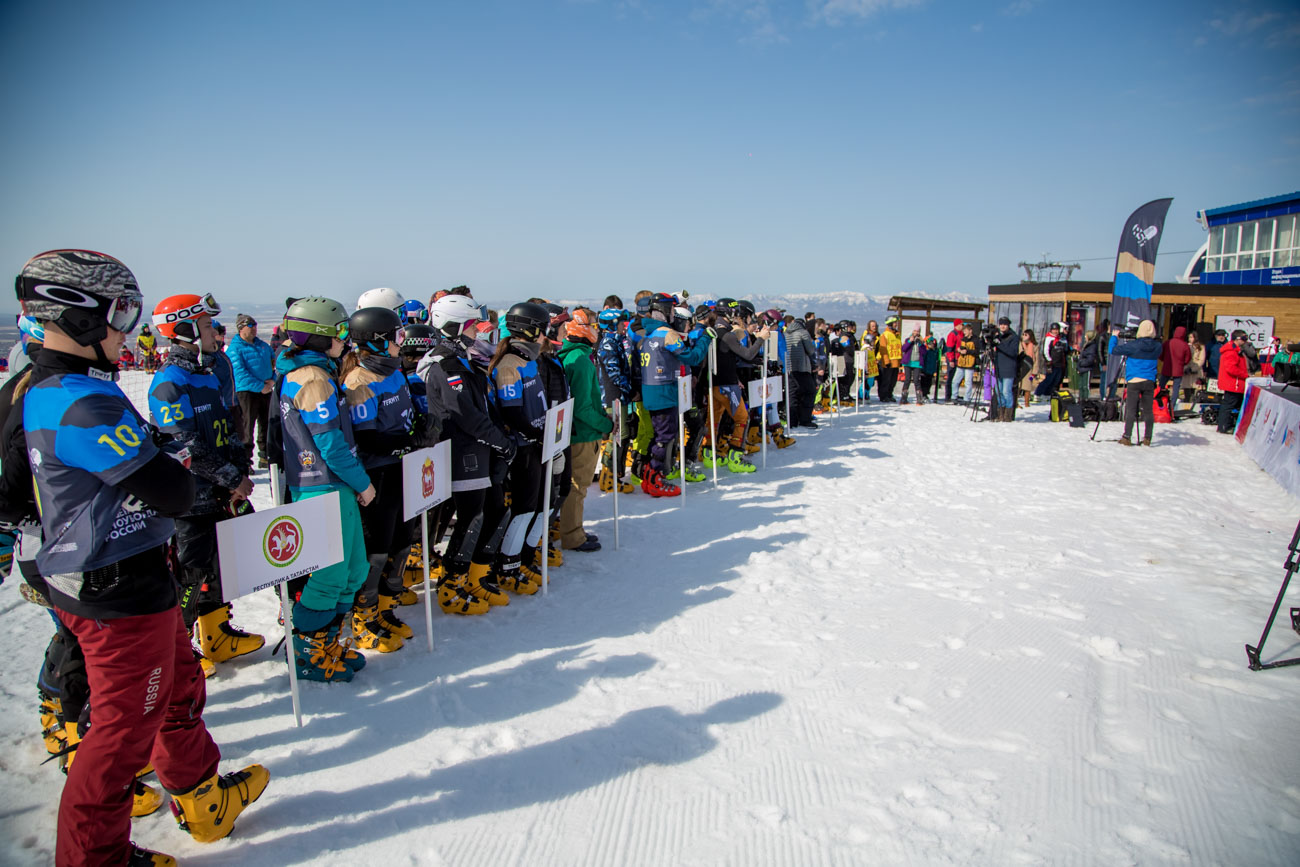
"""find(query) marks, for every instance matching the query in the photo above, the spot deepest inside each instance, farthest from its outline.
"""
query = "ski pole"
(424, 554)
(616, 463)
(713, 428)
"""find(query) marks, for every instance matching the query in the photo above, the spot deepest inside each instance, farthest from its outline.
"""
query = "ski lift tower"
(1044, 271)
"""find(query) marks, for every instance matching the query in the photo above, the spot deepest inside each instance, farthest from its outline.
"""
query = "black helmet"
(664, 305)
(745, 309)
(374, 328)
(418, 339)
(527, 321)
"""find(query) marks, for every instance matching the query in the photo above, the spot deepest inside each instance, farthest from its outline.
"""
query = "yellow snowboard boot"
(221, 641)
(388, 617)
(370, 633)
(453, 598)
(481, 585)
(208, 811)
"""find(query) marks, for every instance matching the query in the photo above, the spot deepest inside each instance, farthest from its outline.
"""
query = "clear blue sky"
(569, 149)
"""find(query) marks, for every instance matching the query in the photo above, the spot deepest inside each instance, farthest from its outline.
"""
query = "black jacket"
(1006, 355)
(457, 390)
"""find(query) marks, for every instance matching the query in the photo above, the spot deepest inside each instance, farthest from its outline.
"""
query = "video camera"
(1128, 333)
(990, 334)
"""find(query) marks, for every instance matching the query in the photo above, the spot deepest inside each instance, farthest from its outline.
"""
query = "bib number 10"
(125, 435)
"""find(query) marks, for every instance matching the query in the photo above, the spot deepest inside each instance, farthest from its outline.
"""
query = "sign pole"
(288, 614)
(615, 463)
(713, 426)
(424, 554)
(762, 424)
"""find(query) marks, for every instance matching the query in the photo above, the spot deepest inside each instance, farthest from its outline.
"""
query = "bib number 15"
(125, 435)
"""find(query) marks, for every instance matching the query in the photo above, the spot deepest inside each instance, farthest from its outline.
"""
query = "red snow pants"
(146, 705)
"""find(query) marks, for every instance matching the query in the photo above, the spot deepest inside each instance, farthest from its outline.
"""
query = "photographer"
(1005, 344)
(1143, 354)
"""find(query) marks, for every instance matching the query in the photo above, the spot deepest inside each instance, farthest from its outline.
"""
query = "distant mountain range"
(834, 306)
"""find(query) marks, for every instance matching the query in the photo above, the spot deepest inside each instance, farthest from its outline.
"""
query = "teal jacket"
(660, 397)
(590, 423)
(320, 453)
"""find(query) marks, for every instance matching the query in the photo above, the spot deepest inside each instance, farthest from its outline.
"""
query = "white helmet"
(390, 298)
(455, 310)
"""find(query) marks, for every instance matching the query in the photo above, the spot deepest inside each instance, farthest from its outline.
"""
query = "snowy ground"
(910, 640)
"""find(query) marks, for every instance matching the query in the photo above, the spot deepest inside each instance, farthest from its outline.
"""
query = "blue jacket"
(225, 374)
(1143, 357)
(320, 453)
(1212, 358)
(252, 363)
(660, 397)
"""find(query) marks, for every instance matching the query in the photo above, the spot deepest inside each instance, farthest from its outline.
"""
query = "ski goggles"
(305, 326)
(121, 313)
(205, 306)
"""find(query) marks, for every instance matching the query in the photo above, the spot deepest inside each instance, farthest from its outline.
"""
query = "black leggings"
(1141, 394)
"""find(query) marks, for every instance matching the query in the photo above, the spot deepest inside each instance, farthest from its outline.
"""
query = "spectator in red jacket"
(1233, 371)
(950, 344)
(1174, 358)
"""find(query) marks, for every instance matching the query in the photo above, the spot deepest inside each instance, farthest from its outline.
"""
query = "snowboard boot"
(148, 858)
(341, 646)
(737, 463)
(317, 656)
(779, 437)
(221, 641)
(52, 731)
(369, 631)
(553, 558)
(655, 485)
(481, 585)
(754, 437)
(707, 458)
(208, 811)
(695, 471)
(637, 472)
(454, 599)
(145, 800)
(607, 482)
(207, 666)
(413, 572)
(747, 447)
(388, 618)
(519, 581)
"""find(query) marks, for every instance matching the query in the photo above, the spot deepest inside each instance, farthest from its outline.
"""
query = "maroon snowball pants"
(146, 705)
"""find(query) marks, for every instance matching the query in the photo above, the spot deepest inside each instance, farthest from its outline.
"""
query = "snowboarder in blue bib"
(185, 402)
(320, 457)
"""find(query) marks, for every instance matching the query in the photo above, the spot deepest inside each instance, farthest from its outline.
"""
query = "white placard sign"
(683, 394)
(860, 359)
(834, 366)
(1259, 329)
(771, 384)
(774, 346)
(426, 479)
(263, 549)
(559, 427)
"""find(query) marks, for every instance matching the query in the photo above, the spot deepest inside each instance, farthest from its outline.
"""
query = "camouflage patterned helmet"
(80, 291)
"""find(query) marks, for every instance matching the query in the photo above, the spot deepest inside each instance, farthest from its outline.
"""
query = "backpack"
(1210, 414)
(1162, 411)
(1066, 408)
(1096, 409)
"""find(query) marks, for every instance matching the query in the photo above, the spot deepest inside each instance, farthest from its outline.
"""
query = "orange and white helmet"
(581, 326)
(175, 316)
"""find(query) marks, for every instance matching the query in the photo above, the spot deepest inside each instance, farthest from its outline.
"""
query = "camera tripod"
(1253, 653)
(987, 365)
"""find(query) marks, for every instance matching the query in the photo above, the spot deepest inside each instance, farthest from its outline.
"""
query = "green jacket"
(590, 423)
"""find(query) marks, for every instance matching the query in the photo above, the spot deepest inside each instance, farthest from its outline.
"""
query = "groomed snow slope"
(910, 640)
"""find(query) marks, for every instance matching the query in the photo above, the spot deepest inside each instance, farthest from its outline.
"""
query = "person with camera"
(1143, 354)
(1006, 366)
(1233, 371)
